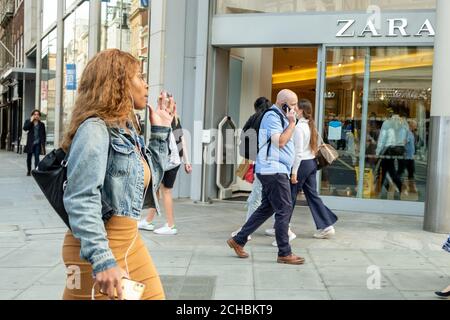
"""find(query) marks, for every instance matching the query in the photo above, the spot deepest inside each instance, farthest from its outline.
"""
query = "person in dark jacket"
(36, 139)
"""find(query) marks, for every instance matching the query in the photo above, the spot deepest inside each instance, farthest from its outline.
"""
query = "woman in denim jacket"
(108, 174)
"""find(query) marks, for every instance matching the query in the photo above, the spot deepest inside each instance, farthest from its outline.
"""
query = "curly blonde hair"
(104, 92)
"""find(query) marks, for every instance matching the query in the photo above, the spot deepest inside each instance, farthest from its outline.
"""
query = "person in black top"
(261, 105)
(36, 139)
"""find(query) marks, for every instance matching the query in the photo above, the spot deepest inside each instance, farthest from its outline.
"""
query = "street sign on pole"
(71, 76)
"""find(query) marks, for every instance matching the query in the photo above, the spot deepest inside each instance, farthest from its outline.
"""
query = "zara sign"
(395, 28)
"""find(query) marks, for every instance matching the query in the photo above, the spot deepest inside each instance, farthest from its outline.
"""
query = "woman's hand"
(188, 168)
(294, 179)
(163, 116)
(110, 281)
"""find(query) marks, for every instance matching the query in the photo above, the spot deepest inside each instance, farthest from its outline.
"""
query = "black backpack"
(249, 146)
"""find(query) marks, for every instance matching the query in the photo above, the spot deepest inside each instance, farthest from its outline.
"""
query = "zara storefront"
(363, 64)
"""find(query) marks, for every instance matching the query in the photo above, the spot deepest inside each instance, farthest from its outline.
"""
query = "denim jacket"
(105, 178)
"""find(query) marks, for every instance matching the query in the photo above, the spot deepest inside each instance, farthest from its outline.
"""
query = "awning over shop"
(17, 74)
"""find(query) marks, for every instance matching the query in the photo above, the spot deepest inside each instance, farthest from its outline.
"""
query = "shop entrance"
(263, 72)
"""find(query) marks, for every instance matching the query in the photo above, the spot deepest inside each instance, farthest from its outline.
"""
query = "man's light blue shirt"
(278, 160)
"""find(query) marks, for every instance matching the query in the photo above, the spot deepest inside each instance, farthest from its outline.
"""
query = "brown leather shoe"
(292, 259)
(237, 248)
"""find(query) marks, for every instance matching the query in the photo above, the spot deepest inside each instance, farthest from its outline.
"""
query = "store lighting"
(408, 61)
(353, 103)
(379, 81)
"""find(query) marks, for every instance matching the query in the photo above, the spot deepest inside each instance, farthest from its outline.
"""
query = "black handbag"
(51, 177)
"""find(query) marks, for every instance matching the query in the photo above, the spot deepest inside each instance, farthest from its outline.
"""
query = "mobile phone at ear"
(286, 108)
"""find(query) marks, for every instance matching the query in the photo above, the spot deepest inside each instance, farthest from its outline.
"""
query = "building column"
(157, 34)
(59, 125)
(95, 27)
(437, 206)
(38, 54)
(197, 116)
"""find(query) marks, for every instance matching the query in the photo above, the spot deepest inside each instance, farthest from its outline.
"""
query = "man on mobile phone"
(36, 139)
(273, 167)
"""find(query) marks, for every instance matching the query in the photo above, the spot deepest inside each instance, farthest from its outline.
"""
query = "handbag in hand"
(51, 177)
(326, 155)
(242, 169)
(250, 175)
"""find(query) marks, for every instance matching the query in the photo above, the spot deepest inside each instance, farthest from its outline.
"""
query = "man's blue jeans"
(276, 197)
(36, 152)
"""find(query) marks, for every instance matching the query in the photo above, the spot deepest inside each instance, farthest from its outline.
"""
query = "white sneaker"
(270, 232)
(145, 225)
(325, 234)
(167, 231)
(234, 234)
(292, 237)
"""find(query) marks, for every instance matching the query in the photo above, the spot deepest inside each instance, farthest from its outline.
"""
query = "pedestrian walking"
(109, 171)
(304, 171)
(36, 139)
(273, 168)
(261, 105)
(178, 154)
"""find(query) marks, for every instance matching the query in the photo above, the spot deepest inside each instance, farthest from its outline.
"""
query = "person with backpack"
(304, 171)
(273, 169)
(109, 172)
(248, 150)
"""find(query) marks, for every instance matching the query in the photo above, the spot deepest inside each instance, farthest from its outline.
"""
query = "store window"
(69, 4)
(343, 99)
(125, 27)
(49, 14)
(48, 84)
(281, 6)
(397, 85)
(76, 45)
(398, 127)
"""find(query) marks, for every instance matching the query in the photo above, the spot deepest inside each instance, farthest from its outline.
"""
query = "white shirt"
(302, 140)
(174, 157)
